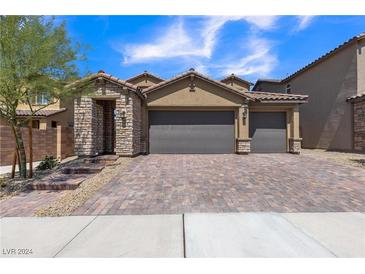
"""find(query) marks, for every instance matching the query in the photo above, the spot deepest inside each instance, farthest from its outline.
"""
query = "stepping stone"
(59, 181)
(103, 159)
(83, 168)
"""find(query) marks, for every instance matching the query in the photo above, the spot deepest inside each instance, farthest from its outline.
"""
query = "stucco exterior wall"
(237, 84)
(326, 119)
(361, 67)
(144, 81)
(204, 95)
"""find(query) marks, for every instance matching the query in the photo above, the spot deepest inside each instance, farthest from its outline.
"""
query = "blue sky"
(250, 46)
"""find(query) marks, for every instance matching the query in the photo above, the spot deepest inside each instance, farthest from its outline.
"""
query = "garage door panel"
(268, 132)
(191, 132)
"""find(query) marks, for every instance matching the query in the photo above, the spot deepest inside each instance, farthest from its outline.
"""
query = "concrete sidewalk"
(188, 235)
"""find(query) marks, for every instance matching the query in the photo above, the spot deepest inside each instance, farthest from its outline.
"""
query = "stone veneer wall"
(295, 145)
(359, 125)
(128, 128)
(84, 126)
(243, 146)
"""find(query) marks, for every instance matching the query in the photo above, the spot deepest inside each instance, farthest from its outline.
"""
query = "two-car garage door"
(191, 131)
(213, 132)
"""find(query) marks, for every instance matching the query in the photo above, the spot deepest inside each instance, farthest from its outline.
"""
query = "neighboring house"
(328, 120)
(52, 129)
(50, 114)
(189, 113)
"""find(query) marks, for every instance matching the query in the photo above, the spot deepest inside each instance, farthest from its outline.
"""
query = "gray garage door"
(191, 131)
(268, 131)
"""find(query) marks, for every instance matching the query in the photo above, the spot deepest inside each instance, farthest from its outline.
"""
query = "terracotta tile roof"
(145, 73)
(40, 113)
(356, 98)
(111, 78)
(326, 55)
(201, 76)
(233, 76)
(264, 96)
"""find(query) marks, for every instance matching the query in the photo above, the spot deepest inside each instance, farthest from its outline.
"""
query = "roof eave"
(264, 101)
(217, 83)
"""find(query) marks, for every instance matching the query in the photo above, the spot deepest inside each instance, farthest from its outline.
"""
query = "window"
(288, 88)
(54, 124)
(35, 124)
(40, 99)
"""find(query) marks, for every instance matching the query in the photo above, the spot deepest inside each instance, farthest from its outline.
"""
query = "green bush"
(48, 162)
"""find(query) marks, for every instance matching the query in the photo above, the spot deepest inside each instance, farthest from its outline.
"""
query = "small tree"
(36, 56)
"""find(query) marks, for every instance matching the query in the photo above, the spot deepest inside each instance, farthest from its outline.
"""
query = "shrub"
(48, 162)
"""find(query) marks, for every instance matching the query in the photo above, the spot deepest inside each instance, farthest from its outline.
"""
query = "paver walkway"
(26, 203)
(159, 184)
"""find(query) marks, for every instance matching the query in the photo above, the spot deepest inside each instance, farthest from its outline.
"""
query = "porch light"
(244, 111)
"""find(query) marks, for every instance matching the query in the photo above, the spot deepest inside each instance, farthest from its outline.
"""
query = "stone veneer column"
(243, 146)
(243, 142)
(359, 125)
(85, 126)
(128, 125)
(295, 142)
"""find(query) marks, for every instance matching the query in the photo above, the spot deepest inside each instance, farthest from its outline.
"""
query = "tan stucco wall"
(144, 81)
(326, 119)
(205, 95)
(237, 84)
(55, 105)
(361, 67)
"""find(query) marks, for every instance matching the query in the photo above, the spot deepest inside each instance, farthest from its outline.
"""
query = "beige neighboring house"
(331, 120)
(52, 129)
(189, 113)
(50, 114)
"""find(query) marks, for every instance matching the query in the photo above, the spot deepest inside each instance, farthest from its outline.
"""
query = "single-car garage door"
(268, 131)
(191, 131)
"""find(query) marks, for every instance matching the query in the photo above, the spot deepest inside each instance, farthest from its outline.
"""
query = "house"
(329, 121)
(189, 113)
(52, 129)
(51, 112)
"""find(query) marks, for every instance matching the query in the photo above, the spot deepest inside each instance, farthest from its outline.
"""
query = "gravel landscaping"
(10, 187)
(76, 198)
(346, 158)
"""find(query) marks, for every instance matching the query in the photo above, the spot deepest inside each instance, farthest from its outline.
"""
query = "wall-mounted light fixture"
(244, 111)
(123, 118)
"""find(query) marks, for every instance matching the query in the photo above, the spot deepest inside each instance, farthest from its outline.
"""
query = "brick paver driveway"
(229, 183)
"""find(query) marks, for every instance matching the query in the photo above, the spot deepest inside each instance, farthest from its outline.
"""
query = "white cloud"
(303, 22)
(176, 42)
(262, 22)
(258, 60)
